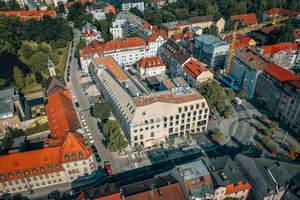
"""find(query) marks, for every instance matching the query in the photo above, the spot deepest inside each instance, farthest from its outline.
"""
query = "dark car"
(54, 194)
(68, 79)
(69, 61)
(98, 158)
(77, 104)
(84, 75)
(68, 73)
(94, 149)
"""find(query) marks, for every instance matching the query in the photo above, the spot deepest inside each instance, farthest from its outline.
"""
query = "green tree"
(49, 8)
(185, 30)
(148, 15)
(263, 118)
(228, 111)
(292, 147)
(6, 46)
(265, 139)
(243, 93)
(168, 17)
(229, 198)
(213, 93)
(14, 5)
(136, 11)
(46, 49)
(38, 62)
(110, 17)
(134, 35)
(229, 94)
(10, 136)
(260, 126)
(270, 132)
(259, 146)
(26, 51)
(61, 8)
(19, 77)
(273, 124)
(218, 74)
(212, 30)
(171, 141)
(274, 148)
(188, 137)
(80, 45)
(102, 110)
(216, 136)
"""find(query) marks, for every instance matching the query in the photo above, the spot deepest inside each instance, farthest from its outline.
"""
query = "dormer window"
(80, 154)
(50, 168)
(10, 175)
(34, 171)
(26, 172)
(74, 156)
(2, 176)
(42, 169)
(67, 157)
(57, 166)
(19, 174)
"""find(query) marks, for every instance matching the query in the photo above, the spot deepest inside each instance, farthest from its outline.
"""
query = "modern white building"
(125, 5)
(150, 66)
(211, 50)
(148, 118)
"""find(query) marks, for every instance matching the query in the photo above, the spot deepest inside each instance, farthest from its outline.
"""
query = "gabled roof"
(55, 82)
(297, 33)
(275, 48)
(247, 19)
(167, 185)
(177, 52)
(252, 58)
(281, 11)
(279, 73)
(89, 33)
(177, 36)
(155, 34)
(150, 62)
(123, 43)
(269, 29)
(194, 68)
(61, 114)
(93, 48)
(207, 18)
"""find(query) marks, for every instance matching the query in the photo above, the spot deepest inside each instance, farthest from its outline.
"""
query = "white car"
(91, 139)
(84, 125)
(88, 132)
(82, 119)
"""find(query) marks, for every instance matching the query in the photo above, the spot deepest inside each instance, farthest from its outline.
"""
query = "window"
(43, 183)
(34, 178)
(74, 156)
(60, 180)
(205, 116)
(19, 174)
(134, 124)
(151, 120)
(37, 185)
(165, 119)
(179, 110)
(191, 107)
(77, 170)
(182, 121)
(141, 129)
(177, 116)
(49, 182)
(157, 126)
(188, 120)
(152, 134)
(195, 113)
(146, 128)
(182, 127)
(46, 175)
(197, 106)
(171, 118)
(200, 112)
(83, 162)
(165, 125)
(152, 127)
(140, 123)
(41, 177)
(193, 181)
(67, 157)
(135, 138)
(80, 155)
(185, 108)
(57, 166)
(70, 172)
(135, 131)
(141, 137)
(10, 175)
(71, 178)
(203, 105)
(17, 182)
(171, 123)
(157, 119)
(143, 112)
(10, 183)
(68, 165)
(4, 184)
(75, 164)
(28, 179)
(199, 117)
(54, 181)
(50, 168)
(170, 130)
(183, 115)
(26, 172)
(187, 126)
(206, 110)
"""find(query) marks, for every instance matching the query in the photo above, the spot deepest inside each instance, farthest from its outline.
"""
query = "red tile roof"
(248, 19)
(61, 114)
(280, 11)
(253, 59)
(153, 61)
(273, 49)
(231, 188)
(89, 33)
(188, 36)
(93, 48)
(194, 68)
(168, 192)
(241, 40)
(130, 42)
(25, 15)
(269, 29)
(297, 34)
(295, 84)
(178, 36)
(146, 25)
(279, 73)
(155, 34)
(107, 195)
(110, 64)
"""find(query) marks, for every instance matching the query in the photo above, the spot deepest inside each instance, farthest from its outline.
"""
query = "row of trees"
(102, 110)
(39, 127)
(78, 15)
(8, 141)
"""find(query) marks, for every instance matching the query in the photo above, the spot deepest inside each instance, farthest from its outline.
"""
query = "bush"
(216, 136)
(38, 128)
(263, 118)
(270, 132)
(265, 139)
(260, 126)
(259, 146)
(8, 141)
(33, 112)
(42, 110)
(274, 148)
(292, 147)
(273, 124)
(60, 52)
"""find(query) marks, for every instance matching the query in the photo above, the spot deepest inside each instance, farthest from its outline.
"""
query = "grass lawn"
(35, 87)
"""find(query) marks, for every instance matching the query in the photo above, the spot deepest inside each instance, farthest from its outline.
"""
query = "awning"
(149, 143)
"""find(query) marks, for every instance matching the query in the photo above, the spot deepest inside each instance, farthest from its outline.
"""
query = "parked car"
(94, 149)
(108, 168)
(68, 79)
(82, 119)
(77, 104)
(85, 125)
(97, 158)
(54, 194)
(84, 75)
(88, 133)
(91, 140)
(86, 94)
(76, 191)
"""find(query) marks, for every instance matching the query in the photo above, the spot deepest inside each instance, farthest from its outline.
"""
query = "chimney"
(232, 169)
(213, 168)
(168, 182)
(160, 193)
(46, 146)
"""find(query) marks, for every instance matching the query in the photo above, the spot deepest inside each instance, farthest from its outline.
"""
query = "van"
(237, 100)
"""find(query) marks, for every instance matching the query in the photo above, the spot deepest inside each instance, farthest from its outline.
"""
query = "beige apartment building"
(207, 21)
(146, 117)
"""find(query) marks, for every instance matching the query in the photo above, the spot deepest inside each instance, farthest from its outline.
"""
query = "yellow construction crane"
(231, 49)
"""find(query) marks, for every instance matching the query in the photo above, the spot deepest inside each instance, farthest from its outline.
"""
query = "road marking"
(120, 181)
(169, 167)
(132, 156)
(159, 170)
(136, 165)
(149, 173)
(216, 151)
(130, 178)
(140, 175)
